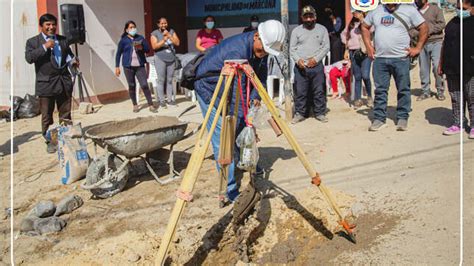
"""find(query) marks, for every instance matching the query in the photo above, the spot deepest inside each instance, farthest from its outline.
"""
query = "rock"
(68, 204)
(49, 225)
(27, 224)
(133, 257)
(44, 208)
(86, 108)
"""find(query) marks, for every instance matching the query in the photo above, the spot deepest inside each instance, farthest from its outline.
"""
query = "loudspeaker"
(72, 23)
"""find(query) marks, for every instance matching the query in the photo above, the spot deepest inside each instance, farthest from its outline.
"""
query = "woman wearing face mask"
(209, 36)
(131, 49)
(163, 41)
(351, 37)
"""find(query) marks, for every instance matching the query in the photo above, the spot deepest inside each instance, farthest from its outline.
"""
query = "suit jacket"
(51, 79)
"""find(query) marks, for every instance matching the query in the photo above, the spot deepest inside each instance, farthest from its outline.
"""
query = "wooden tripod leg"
(296, 147)
(192, 171)
(222, 160)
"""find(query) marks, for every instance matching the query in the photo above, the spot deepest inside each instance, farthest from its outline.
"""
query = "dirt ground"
(402, 188)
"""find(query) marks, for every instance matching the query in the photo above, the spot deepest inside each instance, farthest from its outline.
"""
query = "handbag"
(359, 56)
(177, 61)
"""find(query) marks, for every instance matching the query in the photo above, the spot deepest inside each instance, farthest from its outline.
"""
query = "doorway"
(175, 12)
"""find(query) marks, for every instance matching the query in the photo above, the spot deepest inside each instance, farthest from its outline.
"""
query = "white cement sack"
(72, 153)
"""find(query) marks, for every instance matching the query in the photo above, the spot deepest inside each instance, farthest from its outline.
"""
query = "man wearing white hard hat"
(251, 46)
(309, 44)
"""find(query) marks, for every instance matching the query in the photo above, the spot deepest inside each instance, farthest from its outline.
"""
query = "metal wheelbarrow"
(125, 140)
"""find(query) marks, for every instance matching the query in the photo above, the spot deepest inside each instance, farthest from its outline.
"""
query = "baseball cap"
(308, 10)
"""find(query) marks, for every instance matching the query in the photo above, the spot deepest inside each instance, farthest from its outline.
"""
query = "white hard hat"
(272, 33)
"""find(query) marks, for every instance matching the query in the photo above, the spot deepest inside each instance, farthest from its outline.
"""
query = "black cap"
(308, 10)
(254, 18)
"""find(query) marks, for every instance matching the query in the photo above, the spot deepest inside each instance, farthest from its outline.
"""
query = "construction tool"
(184, 194)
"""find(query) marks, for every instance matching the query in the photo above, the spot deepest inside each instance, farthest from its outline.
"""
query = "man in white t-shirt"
(391, 56)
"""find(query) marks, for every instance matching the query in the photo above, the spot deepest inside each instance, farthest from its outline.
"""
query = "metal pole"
(286, 65)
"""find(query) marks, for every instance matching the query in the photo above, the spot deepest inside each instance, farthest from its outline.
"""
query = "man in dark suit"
(52, 56)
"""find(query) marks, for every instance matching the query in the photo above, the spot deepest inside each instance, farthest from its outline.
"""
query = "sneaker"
(402, 125)
(297, 118)
(153, 108)
(163, 105)
(440, 96)
(423, 97)
(453, 130)
(357, 104)
(370, 102)
(377, 125)
(50, 147)
(322, 118)
(136, 109)
(471, 134)
(172, 104)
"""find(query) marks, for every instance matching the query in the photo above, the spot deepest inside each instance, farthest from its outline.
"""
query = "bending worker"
(268, 39)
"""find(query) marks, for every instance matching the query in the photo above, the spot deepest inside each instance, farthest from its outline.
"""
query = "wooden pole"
(192, 170)
(286, 64)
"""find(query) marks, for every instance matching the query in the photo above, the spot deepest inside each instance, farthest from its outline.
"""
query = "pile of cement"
(132, 126)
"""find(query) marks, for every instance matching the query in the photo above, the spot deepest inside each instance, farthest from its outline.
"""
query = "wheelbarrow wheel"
(97, 171)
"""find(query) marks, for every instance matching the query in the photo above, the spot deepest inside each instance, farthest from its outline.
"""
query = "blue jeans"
(232, 185)
(361, 72)
(399, 68)
(429, 56)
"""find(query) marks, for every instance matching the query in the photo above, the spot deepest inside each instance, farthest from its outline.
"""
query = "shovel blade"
(245, 204)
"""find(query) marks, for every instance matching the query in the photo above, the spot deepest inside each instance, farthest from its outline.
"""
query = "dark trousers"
(310, 81)
(63, 104)
(140, 73)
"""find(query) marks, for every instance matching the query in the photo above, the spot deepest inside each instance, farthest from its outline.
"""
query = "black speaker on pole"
(72, 23)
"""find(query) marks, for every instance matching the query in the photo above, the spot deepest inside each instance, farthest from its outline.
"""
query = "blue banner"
(236, 13)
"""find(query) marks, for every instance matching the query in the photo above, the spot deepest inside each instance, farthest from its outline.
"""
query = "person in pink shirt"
(208, 36)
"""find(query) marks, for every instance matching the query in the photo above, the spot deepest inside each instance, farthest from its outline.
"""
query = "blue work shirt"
(236, 47)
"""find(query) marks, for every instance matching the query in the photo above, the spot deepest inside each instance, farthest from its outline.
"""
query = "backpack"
(189, 72)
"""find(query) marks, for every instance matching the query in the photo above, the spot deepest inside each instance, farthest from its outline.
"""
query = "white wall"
(25, 25)
(5, 53)
(104, 21)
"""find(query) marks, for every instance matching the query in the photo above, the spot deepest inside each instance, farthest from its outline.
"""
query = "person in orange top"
(209, 36)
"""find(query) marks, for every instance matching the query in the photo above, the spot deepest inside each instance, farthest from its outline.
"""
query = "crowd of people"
(385, 42)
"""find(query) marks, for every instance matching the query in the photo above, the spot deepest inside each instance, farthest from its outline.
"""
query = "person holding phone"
(131, 49)
(163, 41)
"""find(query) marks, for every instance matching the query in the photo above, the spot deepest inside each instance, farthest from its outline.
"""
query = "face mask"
(132, 32)
(210, 24)
(309, 24)
(254, 24)
(463, 13)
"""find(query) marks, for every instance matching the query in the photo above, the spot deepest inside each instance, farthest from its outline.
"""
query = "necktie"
(56, 51)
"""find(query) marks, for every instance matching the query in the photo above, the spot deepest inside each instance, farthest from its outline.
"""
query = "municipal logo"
(364, 5)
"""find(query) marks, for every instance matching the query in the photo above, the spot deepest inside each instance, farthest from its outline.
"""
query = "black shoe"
(50, 147)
